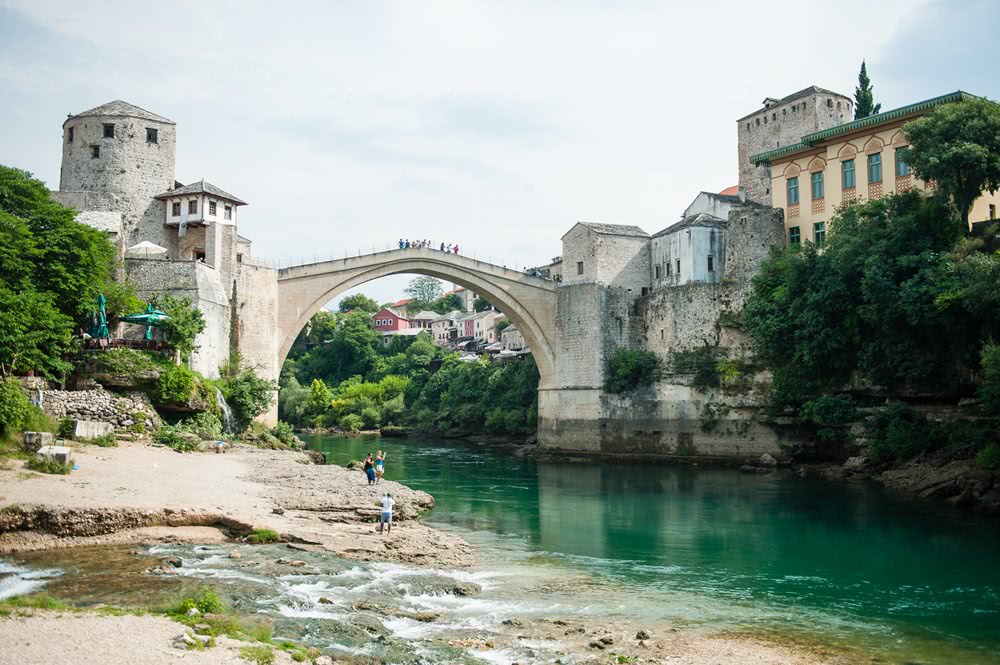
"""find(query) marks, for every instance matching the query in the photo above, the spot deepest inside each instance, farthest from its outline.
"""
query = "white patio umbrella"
(146, 249)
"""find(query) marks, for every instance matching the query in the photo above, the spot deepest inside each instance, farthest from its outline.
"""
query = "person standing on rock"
(379, 465)
(370, 469)
(386, 520)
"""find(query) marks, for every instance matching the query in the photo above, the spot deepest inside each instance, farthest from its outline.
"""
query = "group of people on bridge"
(407, 244)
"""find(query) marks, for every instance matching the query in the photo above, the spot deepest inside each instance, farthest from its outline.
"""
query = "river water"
(849, 566)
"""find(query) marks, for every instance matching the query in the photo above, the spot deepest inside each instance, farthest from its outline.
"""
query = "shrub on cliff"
(989, 457)
(899, 433)
(176, 385)
(248, 395)
(989, 389)
(186, 322)
(630, 369)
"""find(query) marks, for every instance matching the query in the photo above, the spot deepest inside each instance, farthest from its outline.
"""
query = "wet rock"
(278, 511)
(174, 561)
(855, 463)
(466, 589)
(642, 635)
(296, 564)
(608, 640)
(323, 600)
(767, 460)
(235, 555)
(596, 644)
(750, 468)
(511, 622)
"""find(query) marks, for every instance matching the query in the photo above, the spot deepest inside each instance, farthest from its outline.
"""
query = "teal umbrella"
(101, 325)
(151, 317)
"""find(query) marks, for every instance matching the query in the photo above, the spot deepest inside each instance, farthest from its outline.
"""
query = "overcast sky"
(496, 125)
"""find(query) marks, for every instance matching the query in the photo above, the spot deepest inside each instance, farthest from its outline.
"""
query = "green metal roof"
(810, 140)
(766, 157)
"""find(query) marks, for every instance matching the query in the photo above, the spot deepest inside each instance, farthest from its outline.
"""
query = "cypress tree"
(864, 100)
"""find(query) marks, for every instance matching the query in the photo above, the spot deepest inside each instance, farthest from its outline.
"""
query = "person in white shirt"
(386, 522)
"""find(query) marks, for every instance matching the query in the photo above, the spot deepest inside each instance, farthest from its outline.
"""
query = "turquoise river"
(843, 563)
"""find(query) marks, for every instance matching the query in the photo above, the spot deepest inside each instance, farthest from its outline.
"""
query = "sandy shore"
(139, 493)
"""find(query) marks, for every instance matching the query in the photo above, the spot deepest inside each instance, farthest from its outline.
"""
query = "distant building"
(386, 336)
(390, 320)
(511, 339)
(423, 319)
(855, 161)
(445, 327)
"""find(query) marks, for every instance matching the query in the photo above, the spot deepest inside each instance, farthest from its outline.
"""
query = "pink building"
(387, 320)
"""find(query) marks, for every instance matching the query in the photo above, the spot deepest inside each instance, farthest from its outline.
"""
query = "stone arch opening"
(305, 290)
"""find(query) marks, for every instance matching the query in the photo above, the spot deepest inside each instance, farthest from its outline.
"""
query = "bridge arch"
(528, 301)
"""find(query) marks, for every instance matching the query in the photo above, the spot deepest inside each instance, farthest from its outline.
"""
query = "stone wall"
(128, 173)
(255, 325)
(203, 285)
(100, 405)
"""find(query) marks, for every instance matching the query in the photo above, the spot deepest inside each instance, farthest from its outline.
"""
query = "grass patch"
(106, 441)
(262, 655)
(49, 466)
(35, 601)
(263, 536)
(206, 601)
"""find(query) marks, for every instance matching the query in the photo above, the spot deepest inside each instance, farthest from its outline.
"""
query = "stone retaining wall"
(100, 405)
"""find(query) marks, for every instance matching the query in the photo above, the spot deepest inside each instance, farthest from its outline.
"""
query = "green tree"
(34, 334)
(481, 305)
(248, 395)
(448, 303)
(424, 290)
(958, 147)
(864, 98)
(185, 324)
(358, 302)
(503, 324)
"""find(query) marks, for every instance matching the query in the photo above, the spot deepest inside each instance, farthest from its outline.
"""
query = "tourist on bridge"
(449, 248)
(402, 243)
(379, 465)
(442, 247)
(407, 245)
(370, 469)
(386, 520)
(456, 248)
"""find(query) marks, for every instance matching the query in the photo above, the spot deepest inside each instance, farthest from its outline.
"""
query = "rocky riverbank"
(140, 493)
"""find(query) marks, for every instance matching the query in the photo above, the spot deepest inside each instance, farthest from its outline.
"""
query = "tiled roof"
(804, 92)
(730, 191)
(202, 187)
(701, 219)
(424, 315)
(118, 107)
(615, 229)
(402, 303)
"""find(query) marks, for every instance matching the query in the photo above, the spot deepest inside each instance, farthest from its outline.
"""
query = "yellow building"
(855, 161)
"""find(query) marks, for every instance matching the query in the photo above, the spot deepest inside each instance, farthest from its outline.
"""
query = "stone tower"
(117, 158)
(783, 122)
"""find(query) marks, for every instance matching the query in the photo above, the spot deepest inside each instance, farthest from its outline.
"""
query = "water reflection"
(850, 551)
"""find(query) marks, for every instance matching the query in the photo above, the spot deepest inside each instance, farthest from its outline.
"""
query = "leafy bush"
(989, 457)
(127, 362)
(371, 417)
(206, 425)
(48, 465)
(989, 388)
(105, 441)
(827, 411)
(170, 437)
(899, 433)
(261, 655)
(206, 601)
(176, 385)
(284, 433)
(186, 322)
(352, 423)
(630, 369)
(263, 536)
(14, 407)
(702, 362)
(65, 428)
(248, 395)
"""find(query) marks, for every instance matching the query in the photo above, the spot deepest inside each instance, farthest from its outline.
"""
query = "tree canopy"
(424, 290)
(864, 97)
(358, 302)
(957, 146)
(890, 300)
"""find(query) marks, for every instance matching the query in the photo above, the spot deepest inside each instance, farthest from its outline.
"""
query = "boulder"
(323, 660)
(767, 460)
(91, 429)
(642, 635)
(60, 454)
(855, 463)
(35, 440)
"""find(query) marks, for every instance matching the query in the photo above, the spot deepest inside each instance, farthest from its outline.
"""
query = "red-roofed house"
(730, 191)
(388, 319)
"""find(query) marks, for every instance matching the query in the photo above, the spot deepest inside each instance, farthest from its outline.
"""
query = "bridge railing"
(496, 261)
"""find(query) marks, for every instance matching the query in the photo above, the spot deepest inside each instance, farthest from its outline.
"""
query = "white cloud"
(493, 124)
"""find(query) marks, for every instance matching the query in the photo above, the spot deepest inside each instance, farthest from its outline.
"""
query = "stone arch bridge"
(530, 302)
